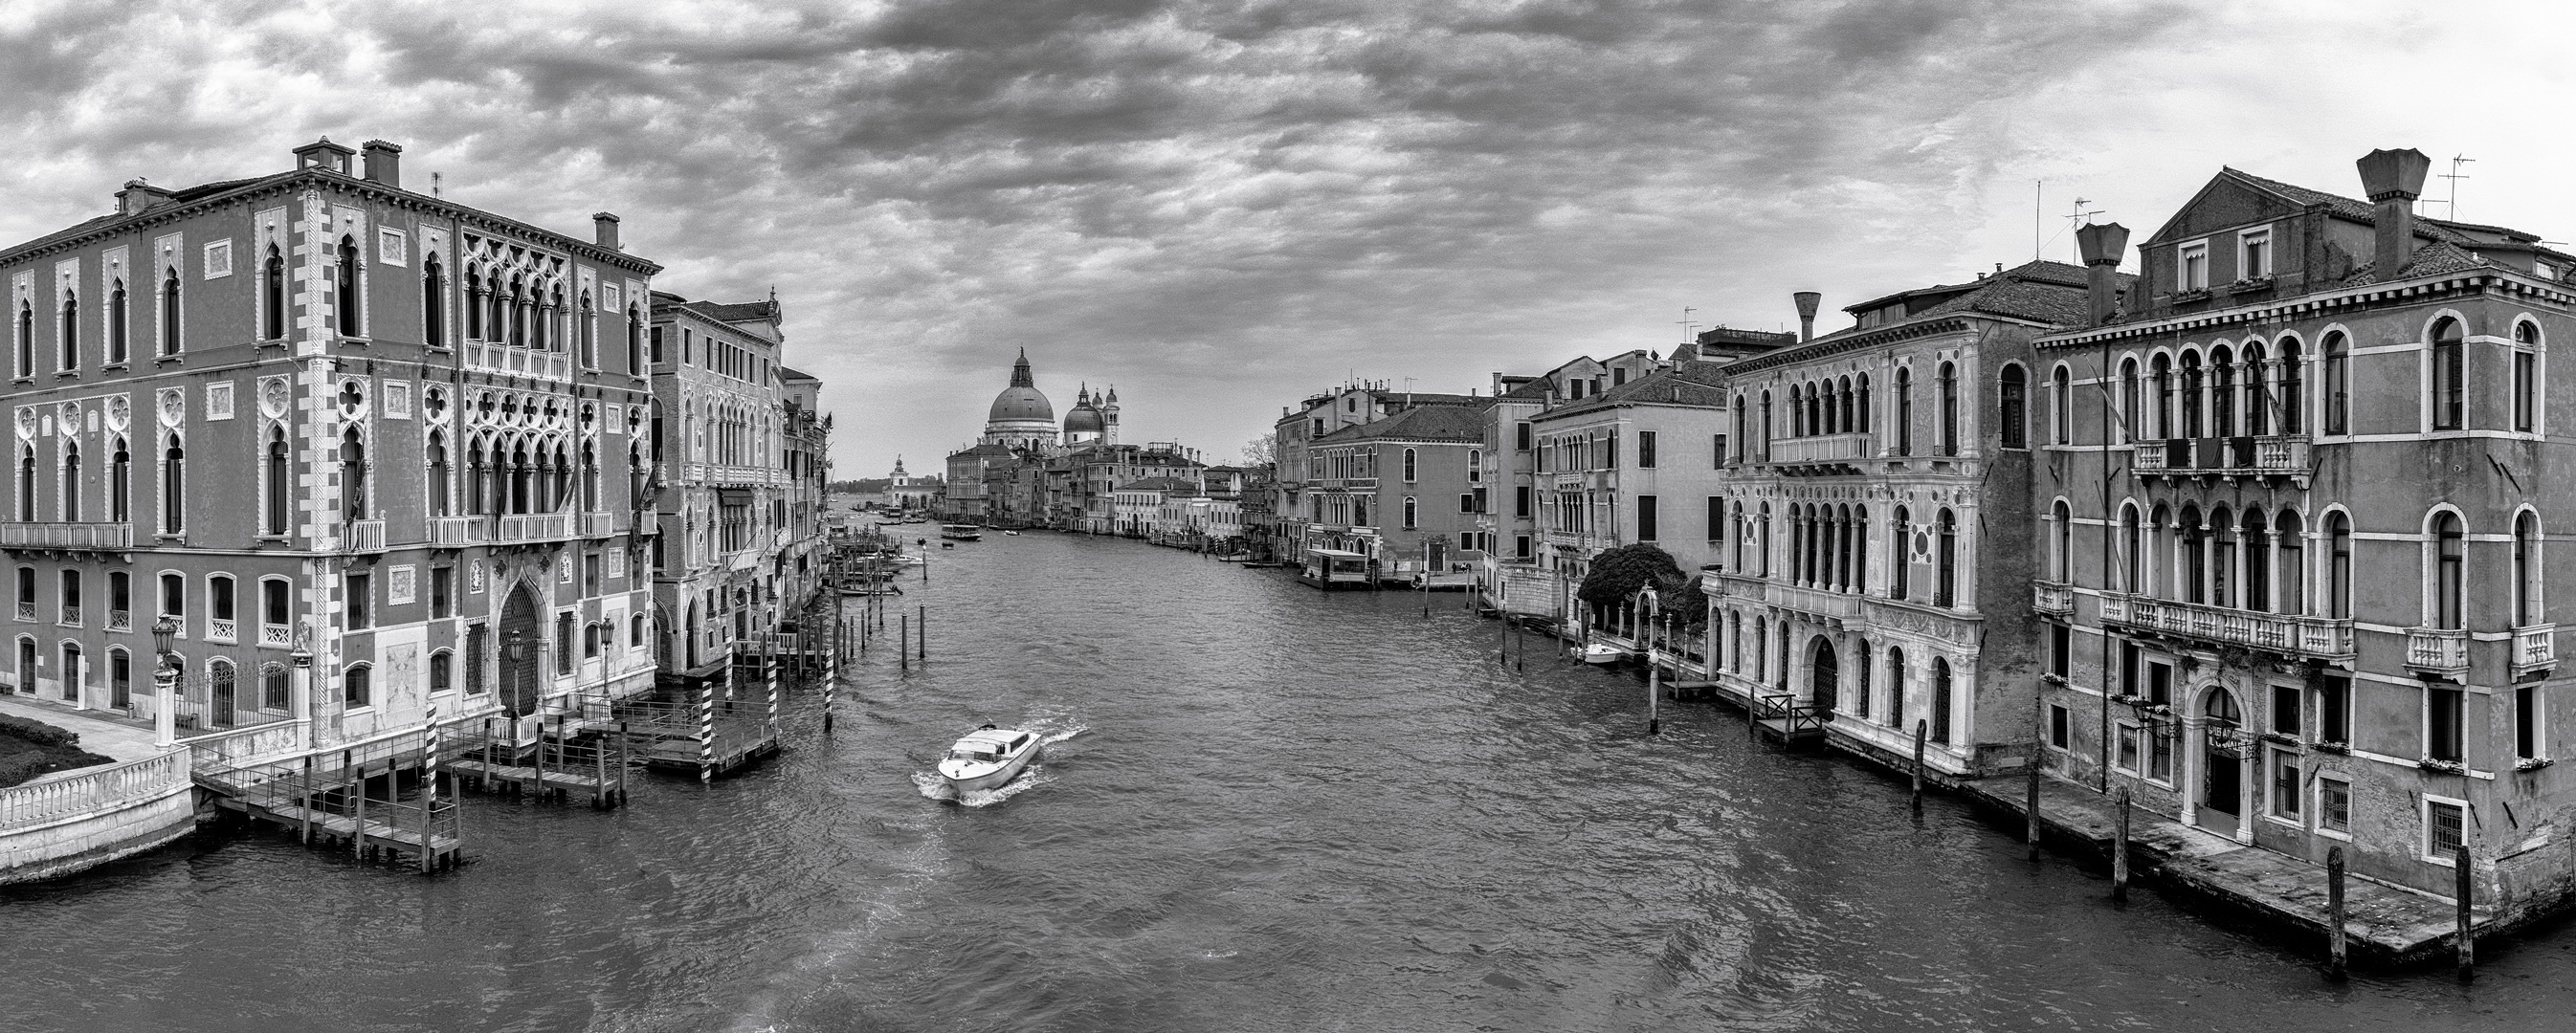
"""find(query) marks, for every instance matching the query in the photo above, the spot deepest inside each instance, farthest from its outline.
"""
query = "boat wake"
(934, 787)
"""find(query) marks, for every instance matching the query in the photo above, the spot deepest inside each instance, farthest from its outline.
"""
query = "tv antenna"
(1686, 323)
(435, 189)
(2079, 217)
(2452, 206)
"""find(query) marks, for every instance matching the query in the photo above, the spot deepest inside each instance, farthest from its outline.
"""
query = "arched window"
(1858, 577)
(2294, 391)
(2222, 392)
(70, 357)
(71, 596)
(170, 313)
(2012, 409)
(1766, 426)
(357, 686)
(26, 340)
(2160, 370)
(1895, 687)
(442, 670)
(2338, 384)
(272, 295)
(1941, 700)
(635, 631)
(590, 637)
(1409, 469)
(1904, 411)
(345, 285)
(433, 303)
(2258, 392)
(2289, 541)
(2061, 391)
(1900, 555)
(1949, 395)
(120, 484)
(2256, 533)
(2191, 397)
(2450, 558)
(278, 479)
(634, 337)
(2063, 568)
(2131, 546)
(473, 303)
(2526, 569)
(276, 610)
(2449, 399)
(2339, 567)
(587, 328)
(117, 333)
(563, 643)
(353, 474)
(1762, 542)
(438, 474)
(71, 493)
(174, 487)
(26, 484)
(1945, 587)
(2194, 550)
(2526, 376)
(2130, 414)
(1860, 404)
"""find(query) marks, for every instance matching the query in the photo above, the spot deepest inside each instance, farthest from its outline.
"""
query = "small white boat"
(1601, 653)
(1013, 534)
(988, 757)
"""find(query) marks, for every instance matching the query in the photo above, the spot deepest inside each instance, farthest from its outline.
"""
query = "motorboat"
(1013, 534)
(1601, 653)
(961, 532)
(988, 757)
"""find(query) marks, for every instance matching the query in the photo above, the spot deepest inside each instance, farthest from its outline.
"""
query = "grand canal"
(1265, 809)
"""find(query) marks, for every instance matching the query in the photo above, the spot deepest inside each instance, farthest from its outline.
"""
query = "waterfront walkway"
(2398, 925)
(111, 737)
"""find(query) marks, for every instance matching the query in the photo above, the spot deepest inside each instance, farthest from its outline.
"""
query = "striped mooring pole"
(706, 735)
(769, 666)
(832, 669)
(428, 789)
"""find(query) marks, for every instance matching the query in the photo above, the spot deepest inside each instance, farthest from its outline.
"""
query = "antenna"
(2452, 206)
(2080, 216)
(2036, 220)
(434, 181)
(1686, 323)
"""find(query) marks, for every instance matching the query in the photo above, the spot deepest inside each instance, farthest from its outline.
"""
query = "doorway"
(1825, 675)
(2222, 782)
(523, 636)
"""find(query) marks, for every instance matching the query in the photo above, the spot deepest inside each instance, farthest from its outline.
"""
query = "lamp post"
(302, 656)
(515, 648)
(1654, 674)
(165, 683)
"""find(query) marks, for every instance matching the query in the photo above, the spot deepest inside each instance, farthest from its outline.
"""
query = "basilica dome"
(1018, 402)
(1083, 419)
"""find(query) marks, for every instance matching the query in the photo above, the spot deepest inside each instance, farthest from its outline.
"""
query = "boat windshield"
(976, 755)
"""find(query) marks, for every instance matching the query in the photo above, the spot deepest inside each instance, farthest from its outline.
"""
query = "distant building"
(1400, 491)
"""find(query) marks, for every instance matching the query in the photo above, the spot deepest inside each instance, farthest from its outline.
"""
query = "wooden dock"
(340, 806)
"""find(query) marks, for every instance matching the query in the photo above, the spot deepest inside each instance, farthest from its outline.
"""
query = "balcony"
(120, 620)
(1821, 450)
(2272, 455)
(2051, 597)
(277, 635)
(1823, 602)
(2535, 648)
(2321, 638)
(71, 616)
(2439, 651)
(27, 611)
(20, 535)
(222, 630)
(534, 527)
(456, 531)
(501, 358)
(598, 525)
(365, 536)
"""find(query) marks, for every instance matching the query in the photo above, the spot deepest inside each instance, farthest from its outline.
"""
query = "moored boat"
(1601, 653)
(988, 757)
(961, 532)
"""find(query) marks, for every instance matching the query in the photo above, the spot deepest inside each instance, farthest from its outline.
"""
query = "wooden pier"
(351, 799)
(570, 760)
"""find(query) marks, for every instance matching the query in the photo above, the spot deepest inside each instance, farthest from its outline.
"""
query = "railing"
(233, 746)
(2438, 650)
(2534, 648)
(120, 620)
(1795, 718)
(598, 525)
(2291, 634)
(1821, 448)
(26, 611)
(1823, 602)
(2051, 597)
(21, 535)
(71, 616)
(456, 531)
(279, 635)
(523, 361)
(92, 791)
(365, 536)
(534, 527)
(2267, 455)
(222, 630)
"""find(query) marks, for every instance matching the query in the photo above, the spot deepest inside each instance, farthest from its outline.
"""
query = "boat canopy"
(1339, 554)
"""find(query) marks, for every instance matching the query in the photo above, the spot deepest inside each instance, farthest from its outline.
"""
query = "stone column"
(165, 719)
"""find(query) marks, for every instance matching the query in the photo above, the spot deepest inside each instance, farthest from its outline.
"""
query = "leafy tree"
(1261, 451)
(1618, 573)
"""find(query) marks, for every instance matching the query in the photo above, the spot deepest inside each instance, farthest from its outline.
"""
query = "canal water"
(1260, 808)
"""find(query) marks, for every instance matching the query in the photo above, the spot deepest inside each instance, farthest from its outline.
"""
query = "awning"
(1341, 554)
(733, 496)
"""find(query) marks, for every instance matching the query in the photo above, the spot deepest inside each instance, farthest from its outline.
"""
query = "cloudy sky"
(1223, 206)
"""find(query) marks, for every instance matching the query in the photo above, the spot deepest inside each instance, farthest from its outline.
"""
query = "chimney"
(2102, 245)
(139, 196)
(603, 230)
(384, 162)
(2393, 180)
(1807, 302)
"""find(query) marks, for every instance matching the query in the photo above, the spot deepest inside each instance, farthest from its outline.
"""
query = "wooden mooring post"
(903, 641)
(2334, 913)
(2030, 808)
(2465, 879)
(1921, 729)
(2120, 852)
(304, 802)
(921, 634)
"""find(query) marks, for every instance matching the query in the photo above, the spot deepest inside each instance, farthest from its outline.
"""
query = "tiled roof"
(1662, 387)
(2429, 260)
(1159, 484)
(2363, 211)
(1426, 423)
(743, 312)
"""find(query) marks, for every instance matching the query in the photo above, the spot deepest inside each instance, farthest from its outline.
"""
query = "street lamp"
(165, 684)
(516, 649)
(1654, 688)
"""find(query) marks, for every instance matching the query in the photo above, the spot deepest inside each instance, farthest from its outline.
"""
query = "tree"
(1261, 451)
(1618, 573)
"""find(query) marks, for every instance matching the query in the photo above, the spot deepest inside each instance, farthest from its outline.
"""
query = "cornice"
(2347, 299)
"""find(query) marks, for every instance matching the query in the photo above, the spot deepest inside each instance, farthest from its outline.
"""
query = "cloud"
(1219, 205)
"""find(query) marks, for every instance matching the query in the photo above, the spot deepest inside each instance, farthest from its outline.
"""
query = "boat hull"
(994, 778)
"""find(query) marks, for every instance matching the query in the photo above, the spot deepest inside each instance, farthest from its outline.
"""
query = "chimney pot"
(2102, 244)
(603, 227)
(2393, 180)
(1807, 303)
(384, 162)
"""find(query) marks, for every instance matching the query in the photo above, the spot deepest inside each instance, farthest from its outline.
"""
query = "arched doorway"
(2222, 776)
(1823, 672)
(521, 675)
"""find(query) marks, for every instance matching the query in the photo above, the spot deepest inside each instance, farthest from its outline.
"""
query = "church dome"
(1083, 418)
(1021, 403)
